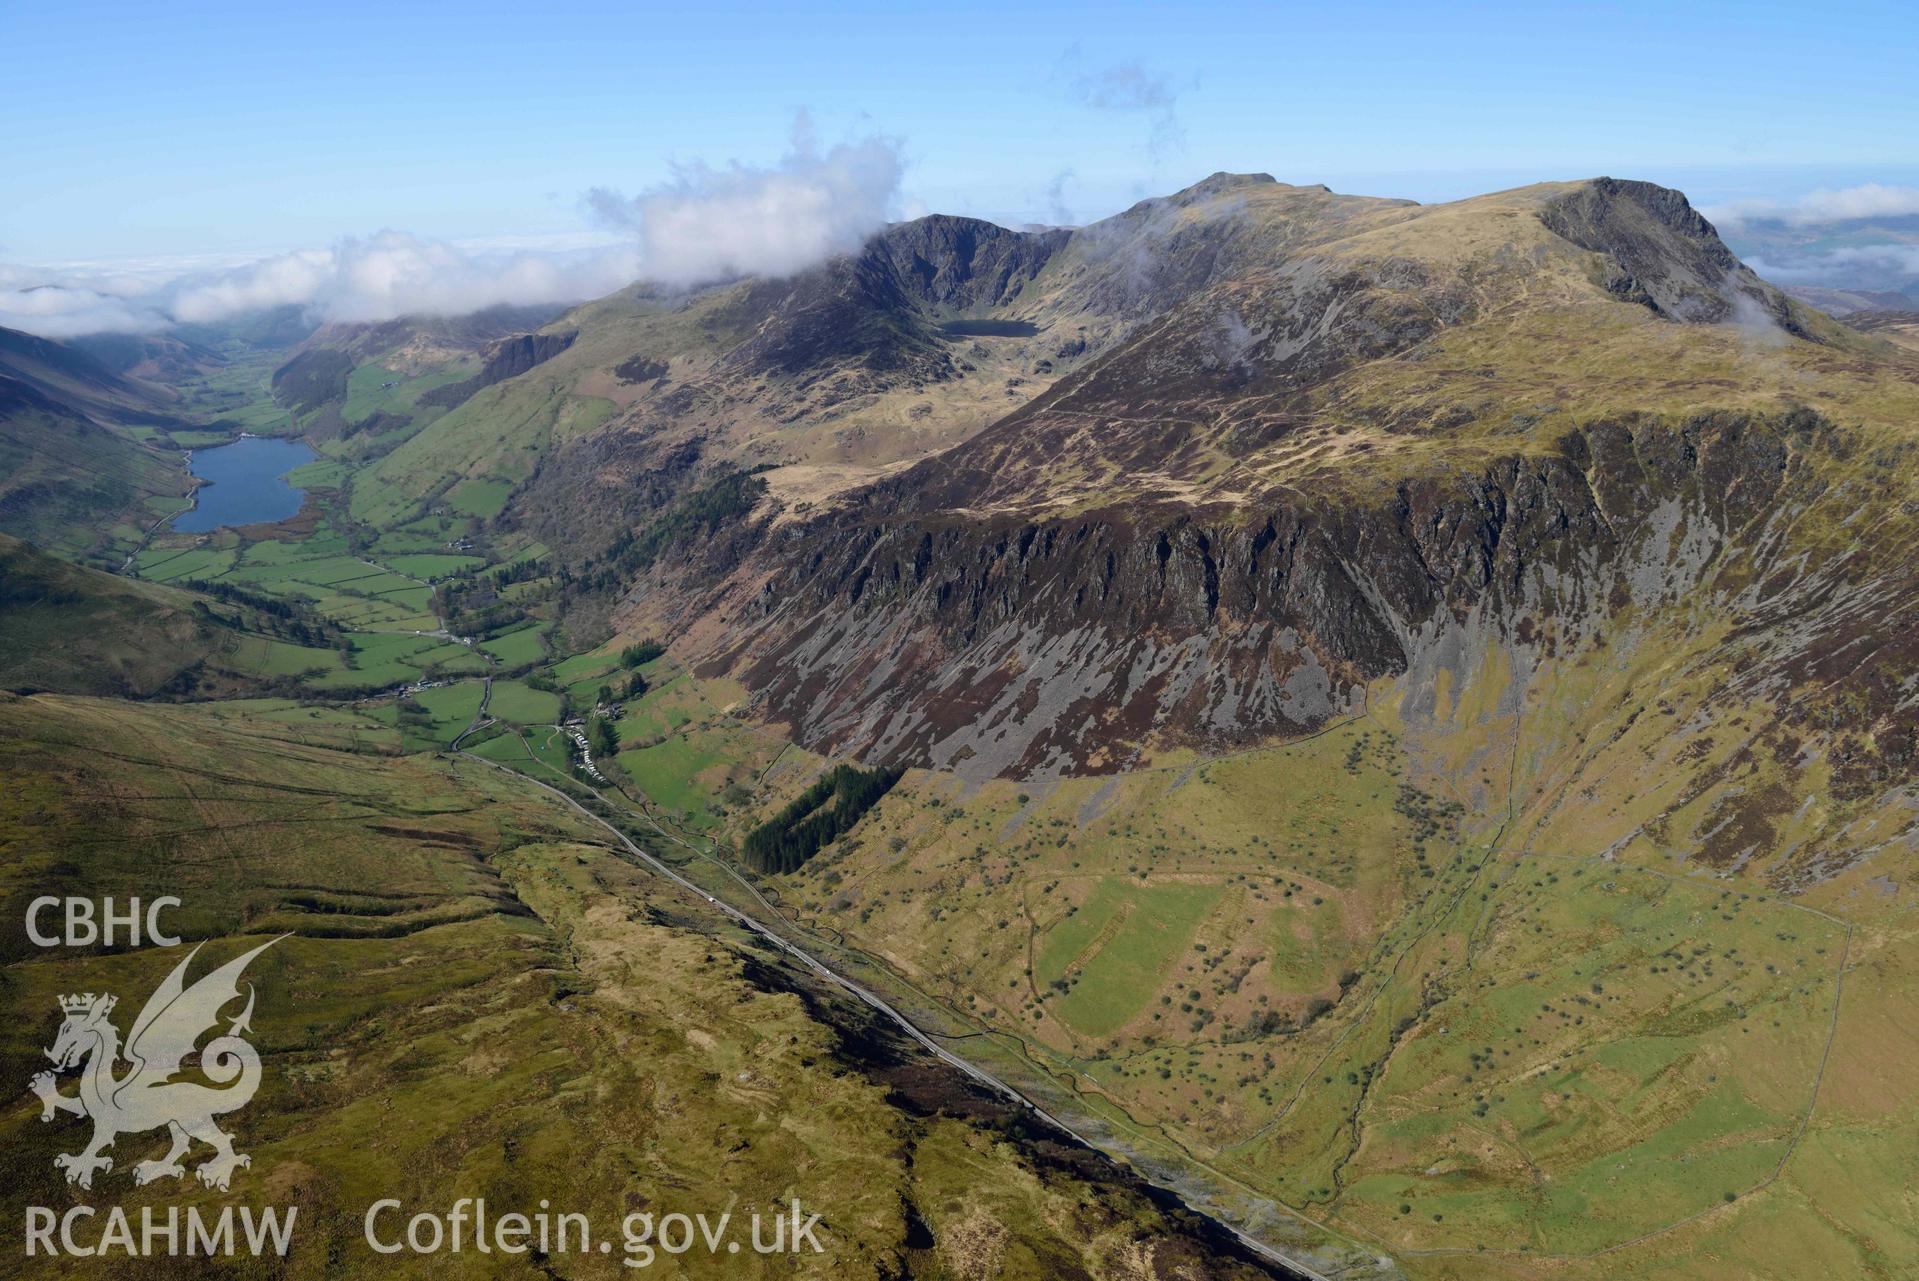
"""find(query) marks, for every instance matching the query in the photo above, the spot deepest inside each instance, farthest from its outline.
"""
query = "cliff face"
(1012, 648)
(503, 359)
(964, 264)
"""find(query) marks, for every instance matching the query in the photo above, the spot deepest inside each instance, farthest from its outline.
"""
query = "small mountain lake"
(246, 483)
(989, 329)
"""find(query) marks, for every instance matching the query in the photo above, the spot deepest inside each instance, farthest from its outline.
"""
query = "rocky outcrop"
(507, 358)
(853, 314)
(511, 357)
(1662, 253)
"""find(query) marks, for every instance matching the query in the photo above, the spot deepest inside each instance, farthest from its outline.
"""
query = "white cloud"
(713, 224)
(378, 277)
(65, 311)
(708, 224)
(395, 273)
(1887, 266)
(1129, 87)
(1868, 200)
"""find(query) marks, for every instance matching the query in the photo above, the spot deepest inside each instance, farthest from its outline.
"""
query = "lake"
(246, 483)
(989, 329)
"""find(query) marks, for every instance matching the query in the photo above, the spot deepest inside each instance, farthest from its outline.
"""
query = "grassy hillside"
(479, 997)
(69, 629)
(361, 389)
(91, 431)
(73, 375)
(72, 485)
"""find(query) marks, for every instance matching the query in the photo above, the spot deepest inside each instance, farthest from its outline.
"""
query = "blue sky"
(197, 136)
(137, 129)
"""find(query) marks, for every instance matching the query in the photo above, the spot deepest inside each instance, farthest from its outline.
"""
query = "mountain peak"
(1661, 252)
(1222, 182)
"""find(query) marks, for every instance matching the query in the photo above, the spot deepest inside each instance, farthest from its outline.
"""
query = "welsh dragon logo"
(146, 1096)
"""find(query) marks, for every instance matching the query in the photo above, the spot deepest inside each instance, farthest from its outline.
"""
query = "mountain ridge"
(972, 610)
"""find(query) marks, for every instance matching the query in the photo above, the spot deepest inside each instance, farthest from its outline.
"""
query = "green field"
(429, 565)
(517, 648)
(199, 439)
(168, 564)
(513, 701)
(672, 774)
(319, 569)
(479, 497)
(381, 604)
(388, 660)
(541, 751)
(1115, 950)
(429, 719)
(319, 474)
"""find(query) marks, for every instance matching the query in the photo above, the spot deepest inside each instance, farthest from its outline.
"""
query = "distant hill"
(157, 358)
(74, 376)
(68, 629)
(1845, 302)
(72, 466)
(416, 353)
(1895, 326)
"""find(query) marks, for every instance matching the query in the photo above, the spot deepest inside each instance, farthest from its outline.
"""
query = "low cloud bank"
(393, 274)
(378, 277)
(69, 310)
(708, 224)
(1887, 266)
(1849, 204)
(1856, 238)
